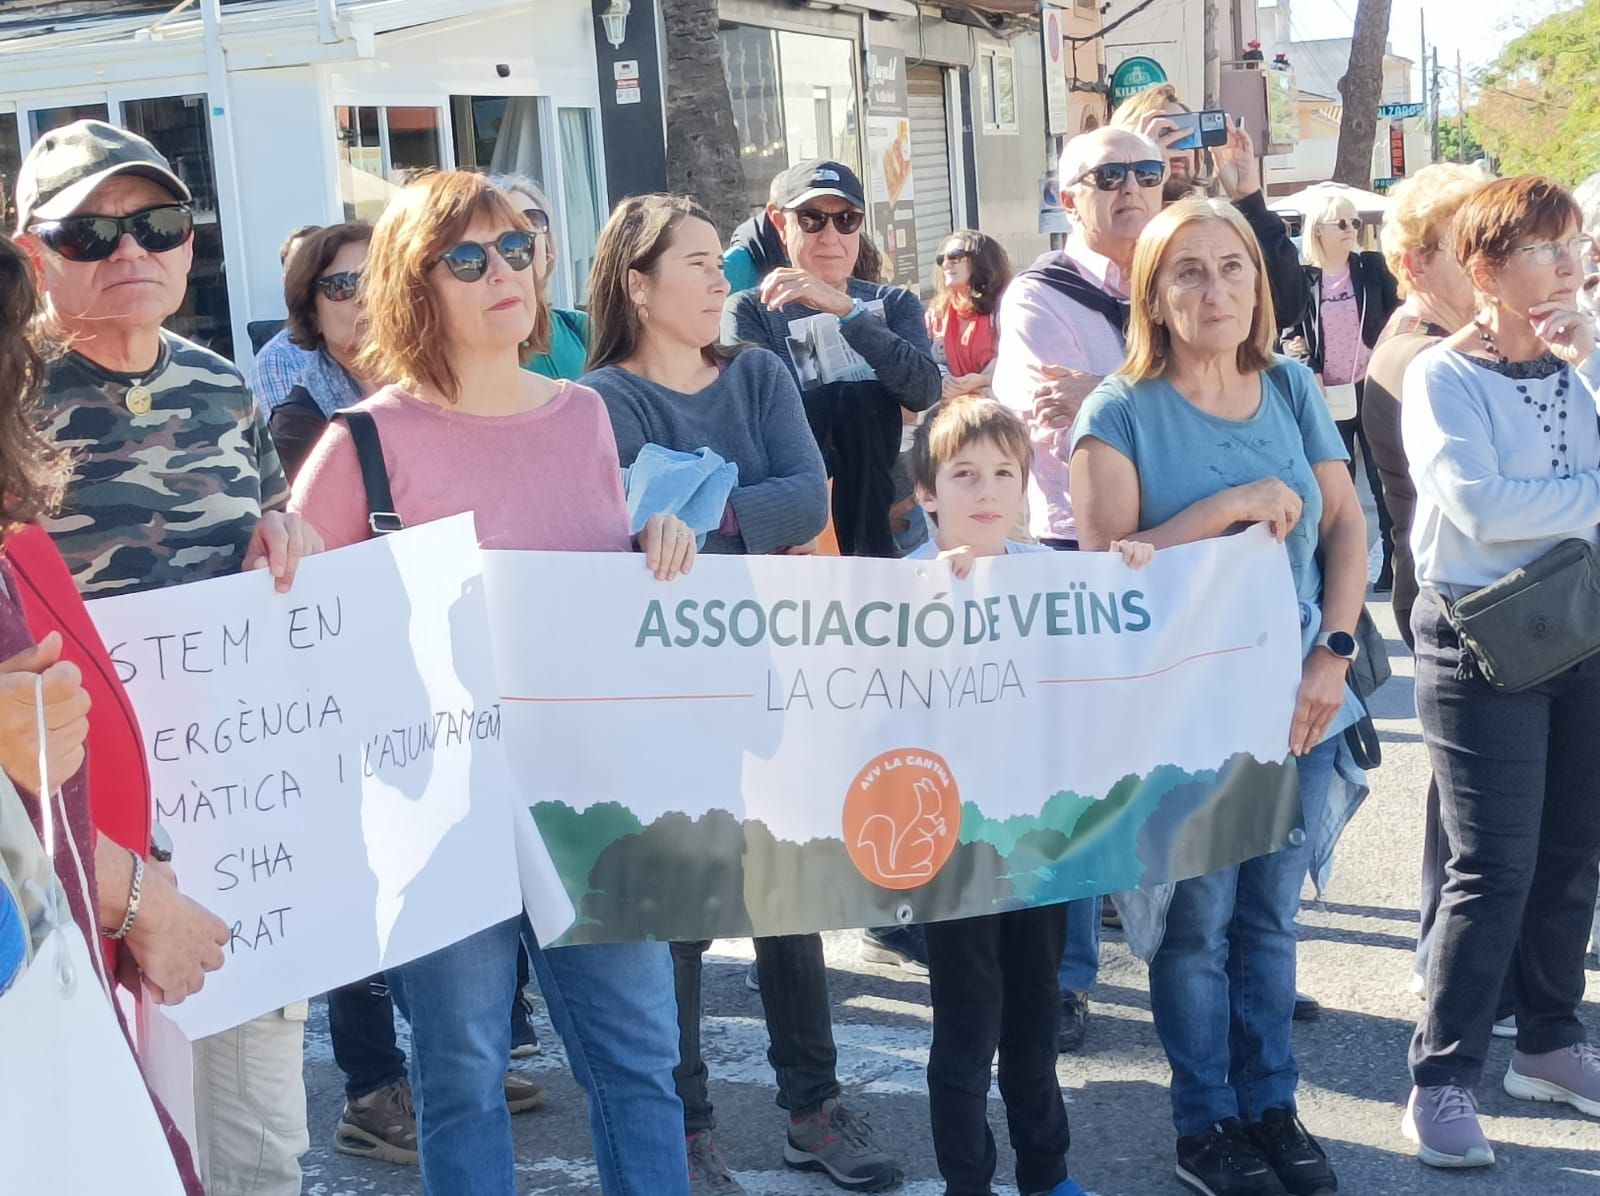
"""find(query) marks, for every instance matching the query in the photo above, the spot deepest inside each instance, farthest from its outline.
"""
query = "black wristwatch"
(160, 844)
(1341, 643)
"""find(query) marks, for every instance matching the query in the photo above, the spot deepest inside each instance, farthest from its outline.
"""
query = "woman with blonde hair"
(1350, 296)
(1204, 429)
(452, 305)
(567, 354)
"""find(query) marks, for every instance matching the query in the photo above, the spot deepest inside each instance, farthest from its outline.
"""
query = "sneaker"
(839, 1142)
(522, 1094)
(1110, 918)
(1074, 1022)
(1570, 1075)
(752, 979)
(1306, 1009)
(524, 1042)
(896, 947)
(1297, 1158)
(708, 1174)
(1443, 1122)
(1223, 1161)
(1067, 1187)
(379, 1125)
(1505, 1027)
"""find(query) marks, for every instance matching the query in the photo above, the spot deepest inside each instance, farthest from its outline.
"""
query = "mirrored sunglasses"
(469, 261)
(813, 220)
(95, 238)
(1110, 176)
(340, 287)
(1353, 225)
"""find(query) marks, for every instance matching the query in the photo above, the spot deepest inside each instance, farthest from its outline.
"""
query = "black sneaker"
(1306, 1009)
(1223, 1161)
(1298, 1159)
(524, 1042)
(1074, 1022)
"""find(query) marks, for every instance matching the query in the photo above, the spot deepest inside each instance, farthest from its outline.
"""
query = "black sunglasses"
(539, 218)
(813, 220)
(95, 238)
(1109, 176)
(340, 287)
(1351, 225)
(955, 255)
(469, 261)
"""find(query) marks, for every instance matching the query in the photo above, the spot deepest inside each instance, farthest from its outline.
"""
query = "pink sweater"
(545, 479)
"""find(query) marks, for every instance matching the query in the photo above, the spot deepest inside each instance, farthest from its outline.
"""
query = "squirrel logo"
(902, 818)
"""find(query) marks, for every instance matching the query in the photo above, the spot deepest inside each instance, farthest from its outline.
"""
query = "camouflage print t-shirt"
(169, 496)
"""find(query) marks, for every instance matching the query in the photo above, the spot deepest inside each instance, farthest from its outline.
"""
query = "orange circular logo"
(902, 818)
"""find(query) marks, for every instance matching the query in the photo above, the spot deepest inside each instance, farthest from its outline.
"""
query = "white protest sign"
(328, 762)
(773, 745)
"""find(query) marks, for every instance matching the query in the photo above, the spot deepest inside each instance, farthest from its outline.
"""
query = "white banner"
(329, 762)
(776, 744)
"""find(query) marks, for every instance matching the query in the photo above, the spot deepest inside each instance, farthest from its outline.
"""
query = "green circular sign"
(1133, 76)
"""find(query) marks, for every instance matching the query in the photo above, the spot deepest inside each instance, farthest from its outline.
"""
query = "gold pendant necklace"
(138, 399)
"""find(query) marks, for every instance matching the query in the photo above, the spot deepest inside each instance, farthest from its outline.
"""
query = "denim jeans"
(1519, 802)
(612, 1006)
(361, 1027)
(794, 995)
(1080, 959)
(1222, 981)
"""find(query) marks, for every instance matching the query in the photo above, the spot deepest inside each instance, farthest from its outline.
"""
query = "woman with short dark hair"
(1500, 432)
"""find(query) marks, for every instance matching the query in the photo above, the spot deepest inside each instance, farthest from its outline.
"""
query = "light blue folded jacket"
(693, 486)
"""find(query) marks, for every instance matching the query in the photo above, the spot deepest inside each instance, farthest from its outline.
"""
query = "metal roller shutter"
(930, 169)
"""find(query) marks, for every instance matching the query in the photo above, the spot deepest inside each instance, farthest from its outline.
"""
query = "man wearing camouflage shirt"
(174, 479)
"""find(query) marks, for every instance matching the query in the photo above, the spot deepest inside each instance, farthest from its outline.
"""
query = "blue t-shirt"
(929, 549)
(1184, 455)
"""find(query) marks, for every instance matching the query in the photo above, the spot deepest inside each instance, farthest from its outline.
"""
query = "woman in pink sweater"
(453, 308)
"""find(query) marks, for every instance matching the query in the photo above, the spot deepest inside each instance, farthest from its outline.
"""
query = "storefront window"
(379, 151)
(582, 198)
(179, 128)
(10, 163)
(794, 97)
(498, 135)
(42, 120)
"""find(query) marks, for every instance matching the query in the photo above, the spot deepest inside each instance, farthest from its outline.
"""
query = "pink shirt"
(1040, 326)
(544, 479)
(1344, 353)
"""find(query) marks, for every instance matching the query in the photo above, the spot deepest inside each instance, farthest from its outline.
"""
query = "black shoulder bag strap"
(381, 515)
(1064, 277)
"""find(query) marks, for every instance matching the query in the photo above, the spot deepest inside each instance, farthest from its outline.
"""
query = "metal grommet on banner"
(903, 913)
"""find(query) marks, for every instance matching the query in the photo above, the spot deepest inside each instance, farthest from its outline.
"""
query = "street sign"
(1381, 185)
(1133, 76)
(1400, 111)
(1058, 118)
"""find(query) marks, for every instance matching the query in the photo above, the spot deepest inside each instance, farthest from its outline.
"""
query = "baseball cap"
(66, 164)
(808, 180)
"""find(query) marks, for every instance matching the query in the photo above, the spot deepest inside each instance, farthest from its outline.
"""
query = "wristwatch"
(160, 844)
(1341, 644)
(856, 308)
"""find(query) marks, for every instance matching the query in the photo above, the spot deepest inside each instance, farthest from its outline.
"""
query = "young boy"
(992, 978)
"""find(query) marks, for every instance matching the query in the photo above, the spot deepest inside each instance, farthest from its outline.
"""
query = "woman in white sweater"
(1501, 433)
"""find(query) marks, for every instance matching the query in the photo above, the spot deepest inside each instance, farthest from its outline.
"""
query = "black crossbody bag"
(382, 518)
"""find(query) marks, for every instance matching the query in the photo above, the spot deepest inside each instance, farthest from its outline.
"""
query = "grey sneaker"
(380, 1125)
(1570, 1075)
(1443, 1122)
(522, 1094)
(839, 1142)
(708, 1174)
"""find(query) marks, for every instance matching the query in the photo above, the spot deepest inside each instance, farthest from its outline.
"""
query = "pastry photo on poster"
(891, 183)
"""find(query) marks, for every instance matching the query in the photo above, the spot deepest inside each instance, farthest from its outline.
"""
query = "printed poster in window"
(889, 182)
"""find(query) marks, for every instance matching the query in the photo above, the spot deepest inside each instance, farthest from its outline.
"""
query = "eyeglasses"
(1548, 253)
(469, 261)
(95, 238)
(340, 287)
(1353, 225)
(955, 255)
(1110, 176)
(539, 218)
(813, 220)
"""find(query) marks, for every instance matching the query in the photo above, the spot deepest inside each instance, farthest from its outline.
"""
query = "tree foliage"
(1451, 147)
(1538, 110)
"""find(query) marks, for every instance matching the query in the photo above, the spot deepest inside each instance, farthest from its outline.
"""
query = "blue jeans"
(1080, 962)
(1222, 981)
(614, 1009)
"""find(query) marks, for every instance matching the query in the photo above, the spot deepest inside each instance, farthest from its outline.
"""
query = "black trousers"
(794, 996)
(1519, 805)
(361, 1028)
(993, 984)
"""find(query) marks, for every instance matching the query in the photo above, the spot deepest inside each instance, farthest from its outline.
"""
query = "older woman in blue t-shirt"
(1203, 431)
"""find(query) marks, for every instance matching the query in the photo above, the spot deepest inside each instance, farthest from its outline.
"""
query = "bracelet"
(135, 891)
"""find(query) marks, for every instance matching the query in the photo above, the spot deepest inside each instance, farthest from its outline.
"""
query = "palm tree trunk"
(1362, 90)
(702, 140)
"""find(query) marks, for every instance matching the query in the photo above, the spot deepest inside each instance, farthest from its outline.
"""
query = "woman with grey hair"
(568, 355)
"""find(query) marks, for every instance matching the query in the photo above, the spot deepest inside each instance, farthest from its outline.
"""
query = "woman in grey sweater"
(655, 307)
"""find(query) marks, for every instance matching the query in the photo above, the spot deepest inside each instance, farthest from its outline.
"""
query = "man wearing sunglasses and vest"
(174, 479)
